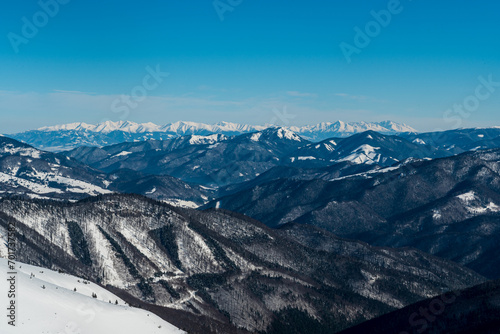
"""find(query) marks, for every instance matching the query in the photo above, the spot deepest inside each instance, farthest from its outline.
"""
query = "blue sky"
(422, 67)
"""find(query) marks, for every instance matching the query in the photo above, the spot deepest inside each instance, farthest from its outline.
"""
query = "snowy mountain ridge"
(180, 127)
(69, 136)
(183, 128)
(29, 172)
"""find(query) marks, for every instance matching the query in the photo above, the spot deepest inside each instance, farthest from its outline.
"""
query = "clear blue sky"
(264, 55)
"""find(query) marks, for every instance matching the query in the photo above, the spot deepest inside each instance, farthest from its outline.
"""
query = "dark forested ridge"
(430, 205)
(469, 311)
(226, 267)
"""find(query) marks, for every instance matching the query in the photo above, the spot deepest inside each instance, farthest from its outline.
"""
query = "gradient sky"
(262, 58)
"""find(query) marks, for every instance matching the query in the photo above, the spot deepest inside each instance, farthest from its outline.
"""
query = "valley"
(261, 232)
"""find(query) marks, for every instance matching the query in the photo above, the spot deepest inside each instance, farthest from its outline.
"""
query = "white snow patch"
(181, 203)
(203, 140)
(287, 134)
(329, 147)
(466, 197)
(491, 207)
(121, 154)
(418, 141)
(256, 136)
(21, 151)
(17, 182)
(365, 154)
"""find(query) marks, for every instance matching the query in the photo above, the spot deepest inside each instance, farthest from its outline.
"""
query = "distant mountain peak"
(281, 133)
(208, 139)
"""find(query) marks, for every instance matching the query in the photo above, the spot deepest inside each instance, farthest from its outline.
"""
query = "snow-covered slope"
(48, 303)
(369, 147)
(26, 171)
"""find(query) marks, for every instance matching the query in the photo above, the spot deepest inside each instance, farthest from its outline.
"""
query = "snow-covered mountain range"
(160, 169)
(68, 136)
(220, 267)
(180, 128)
(185, 128)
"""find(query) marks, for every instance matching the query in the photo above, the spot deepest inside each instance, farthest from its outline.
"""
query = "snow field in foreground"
(47, 303)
